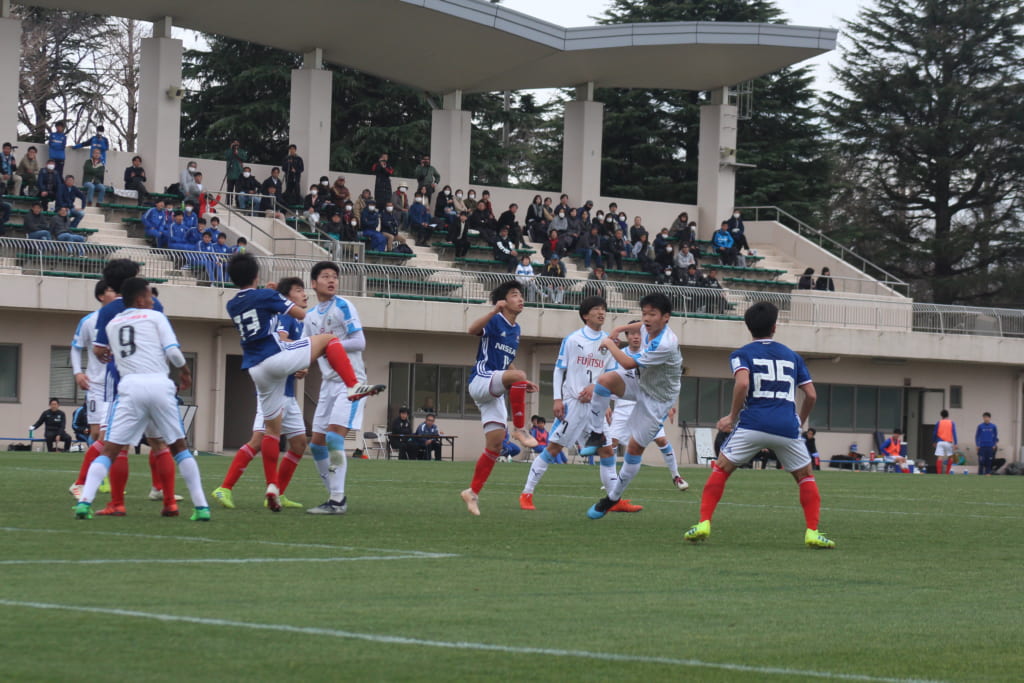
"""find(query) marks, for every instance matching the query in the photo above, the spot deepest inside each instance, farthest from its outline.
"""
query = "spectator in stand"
(235, 158)
(592, 286)
(222, 248)
(692, 278)
(549, 211)
(66, 196)
(680, 228)
(644, 254)
(382, 170)
(92, 179)
(311, 205)
(187, 185)
(400, 200)
(717, 304)
(98, 141)
(154, 222)
(370, 221)
(362, 201)
(270, 203)
(191, 219)
(214, 228)
(515, 231)
(574, 229)
(459, 201)
(620, 218)
(207, 200)
(333, 225)
(10, 181)
(665, 259)
(561, 221)
(207, 257)
(485, 197)
(723, 245)
(401, 429)
(60, 230)
(589, 247)
(274, 181)
(635, 230)
(427, 178)
(505, 251)
(48, 183)
(536, 223)
(825, 283)
(420, 220)
(135, 179)
(660, 242)
(339, 192)
(471, 201)
(389, 226)
(428, 446)
(293, 166)
(56, 426)
(683, 260)
(459, 235)
(986, 440)
(177, 234)
(738, 230)
(614, 249)
(445, 201)
(57, 142)
(482, 222)
(524, 273)
(248, 189)
(28, 169)
(555, 269)
(551, 245)
(806, 280)
(36, 226)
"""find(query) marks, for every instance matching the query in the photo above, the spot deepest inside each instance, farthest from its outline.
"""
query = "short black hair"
(54, 399)
(500, 293)
(243, 269)
(132, 289)
(285, 285)
(322, 266)
(897, 431)
(117, 271)
(658, 301)
(943, 413)
(986, 414)
(592, 302)
(761, 318)
(100, 288)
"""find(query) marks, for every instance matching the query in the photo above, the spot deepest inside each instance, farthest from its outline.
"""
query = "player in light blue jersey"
(764, 415)
(493, 375)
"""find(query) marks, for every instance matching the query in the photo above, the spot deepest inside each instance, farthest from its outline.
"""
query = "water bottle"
(31, 433)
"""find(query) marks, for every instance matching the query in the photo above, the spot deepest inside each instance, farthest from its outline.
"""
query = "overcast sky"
(822, 13)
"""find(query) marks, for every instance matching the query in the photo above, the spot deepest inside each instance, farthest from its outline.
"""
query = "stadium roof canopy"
(474, 46)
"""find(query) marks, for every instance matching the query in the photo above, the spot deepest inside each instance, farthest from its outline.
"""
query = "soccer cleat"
(595, 440)
(112, 510)
(601, 508)
(815, 540)
(360, 390)
(170, 510)
(223, 496)
(698, 532)
(157, 494)
(105, 485)
(83, 511)
(526, 501)
(200, 515)
(285, 503)
(680, 483)
(330, 508)
(75, 490)
(623, 505)
(273, 500)
(472, 501)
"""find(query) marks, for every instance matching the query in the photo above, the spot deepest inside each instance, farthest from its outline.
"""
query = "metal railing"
(790, 221)
(394, 283)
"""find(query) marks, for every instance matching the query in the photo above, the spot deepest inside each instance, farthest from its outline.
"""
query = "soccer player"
(141, 343)
(92, 378)
(767, 375)
(270, 361)
(945, 442)
(493, 376)
(293, 426)
(986, 439)
(335, 416)
(581, 359)
(654, 386)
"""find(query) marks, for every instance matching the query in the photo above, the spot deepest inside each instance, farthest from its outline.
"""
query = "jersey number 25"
(767, 371)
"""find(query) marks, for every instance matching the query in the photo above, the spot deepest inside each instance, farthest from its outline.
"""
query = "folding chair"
(378, 443)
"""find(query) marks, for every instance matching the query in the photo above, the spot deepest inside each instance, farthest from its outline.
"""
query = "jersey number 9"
(126, 339)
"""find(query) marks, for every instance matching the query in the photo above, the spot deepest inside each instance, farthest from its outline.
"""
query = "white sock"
(670, 460)
(189, 470)
(93, 478)
(609, 478)
(537, 470)
(626, 474)
(598, 407)
(338, 467)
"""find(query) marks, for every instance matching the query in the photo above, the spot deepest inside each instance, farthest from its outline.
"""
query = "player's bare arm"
(82, 380)
(807, 405)
(739, 397)
(623, 359)
(558, 408)
(477, 327)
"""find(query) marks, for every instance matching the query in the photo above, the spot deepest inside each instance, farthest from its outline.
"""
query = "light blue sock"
(608, 475)
(321, 458)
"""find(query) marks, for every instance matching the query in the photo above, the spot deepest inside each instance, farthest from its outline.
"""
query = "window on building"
(703, 400)
(62, 380)
(425, 388)
(956, 396)
(10, 365)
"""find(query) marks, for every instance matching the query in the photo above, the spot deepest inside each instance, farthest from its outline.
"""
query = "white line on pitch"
(236, 560)
(453, 645)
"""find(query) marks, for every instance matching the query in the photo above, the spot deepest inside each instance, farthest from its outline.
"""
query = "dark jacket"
(55, 420)
(32, 222)
(66, 196)
(825, 284)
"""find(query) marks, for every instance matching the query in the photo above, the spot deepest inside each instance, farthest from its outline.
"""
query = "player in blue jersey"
(270, 361)
(292, 426)
(493, 376)
(764, 415)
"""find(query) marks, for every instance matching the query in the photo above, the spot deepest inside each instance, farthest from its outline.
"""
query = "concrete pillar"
(716, 169)
(160, 106)
(309, 126)
(10, 60)
(450, 130)
(581, 150)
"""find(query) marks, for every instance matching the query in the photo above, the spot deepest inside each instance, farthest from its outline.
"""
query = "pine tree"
(930, 132)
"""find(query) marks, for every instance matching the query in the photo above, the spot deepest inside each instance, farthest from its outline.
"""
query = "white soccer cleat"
(680, 483)
(158, 494)
(75, 490)
(361, 390)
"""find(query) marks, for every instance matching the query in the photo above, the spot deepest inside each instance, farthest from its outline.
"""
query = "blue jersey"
(986, 435)
(293, 328)
(498, 346)
(57, 144)
(104, 316)
(775, 373)
(255, 315)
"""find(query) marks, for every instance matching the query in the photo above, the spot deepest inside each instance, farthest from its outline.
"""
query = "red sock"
(237, 467)
(94, 450)
(949, 465)
(338, 358)
(154, 471)
(810, 500)
(163, 471)
(517, 399)
(118, 478)
(713, 490)
(287, 469)
(483, 469)
(271, 450)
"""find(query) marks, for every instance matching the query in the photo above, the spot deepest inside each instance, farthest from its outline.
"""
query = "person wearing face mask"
(738, 231)
(427, 178)
(187, 186)
(293, 167)
(248, 188)
(389, 225)
(370, 221)
(311, 205)
(48, 182)
(561, 221)
(460, 205)
(235, 157)
(191, 220)
(420, 220)
(98, 141)
(445, 201)
(400, 200)
(382, 170)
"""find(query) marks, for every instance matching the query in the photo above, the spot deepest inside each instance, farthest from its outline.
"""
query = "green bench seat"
(765, 283)
(449, 286)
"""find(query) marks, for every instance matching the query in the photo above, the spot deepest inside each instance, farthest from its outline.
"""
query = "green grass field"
(408, 586)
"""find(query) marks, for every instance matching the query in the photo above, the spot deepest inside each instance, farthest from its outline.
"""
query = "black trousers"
(52, 437)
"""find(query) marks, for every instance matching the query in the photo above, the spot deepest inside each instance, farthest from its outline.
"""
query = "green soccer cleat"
(815, 540)
(698, 532)
(83, 511)
(200, 515)
(285, 503)
(105, 485)
(223, 496)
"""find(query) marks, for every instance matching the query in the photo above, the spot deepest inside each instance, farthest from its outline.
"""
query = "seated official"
(428, 446)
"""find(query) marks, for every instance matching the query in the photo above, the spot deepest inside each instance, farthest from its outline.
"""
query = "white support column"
(450, 130)
(309, 126)
(10, 60)
(160, 106)
(581, 151)
(716, 172)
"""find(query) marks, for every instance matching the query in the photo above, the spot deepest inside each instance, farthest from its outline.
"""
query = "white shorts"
(574, 427)
(488, 392)
(743, 444)
(944, 449)
(145, 404)
(291, 425)
(334, 408)
(648, 420)
(269, 376)
(96, 407)
(621, 423)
